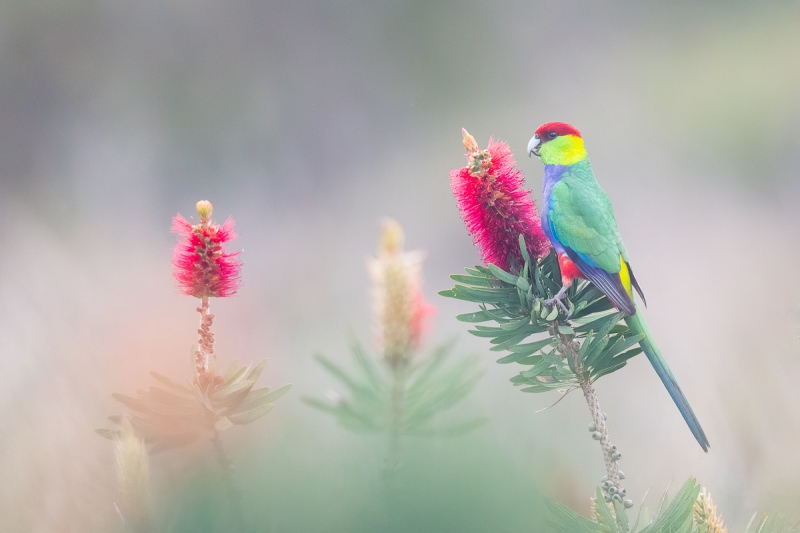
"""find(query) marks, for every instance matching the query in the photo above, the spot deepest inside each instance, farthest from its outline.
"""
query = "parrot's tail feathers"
(638, 325)
(636, 284)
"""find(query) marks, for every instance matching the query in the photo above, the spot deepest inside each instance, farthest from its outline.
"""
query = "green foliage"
(770, 523)
(428, 388)
(608, 518)
(516, 306)
(172, 415)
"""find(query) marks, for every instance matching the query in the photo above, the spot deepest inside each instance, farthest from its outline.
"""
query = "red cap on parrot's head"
(559, 128)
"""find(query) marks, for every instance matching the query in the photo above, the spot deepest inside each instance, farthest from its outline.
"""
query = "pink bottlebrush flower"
(421, 314)
(495, 207)
(200, 265)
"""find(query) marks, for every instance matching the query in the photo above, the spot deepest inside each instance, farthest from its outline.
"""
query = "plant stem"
(226, 466)
(612, 468)
(205, 343)
(397, 407)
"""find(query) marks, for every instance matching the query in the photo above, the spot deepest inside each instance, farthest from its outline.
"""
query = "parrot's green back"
(583, 218)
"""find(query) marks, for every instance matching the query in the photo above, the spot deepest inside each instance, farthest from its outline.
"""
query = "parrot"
(578, 219)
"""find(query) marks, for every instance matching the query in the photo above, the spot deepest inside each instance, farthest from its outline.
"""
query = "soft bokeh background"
(308, 122)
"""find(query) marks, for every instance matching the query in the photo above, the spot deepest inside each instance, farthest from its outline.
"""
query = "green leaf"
(532, 347)
(603, 304)
(620, 344)
(502, 275)
(340, 374)
(480, 271)
(477, 281)
(511, 358)
(367, 365)
(233, 382)
(566, 330)
(523, 285)
(254, 374)
(565, 520)
(262, 396)
(232, 395)
(597, 346)
(171, 384)
(246, 417)
(523, 249)
(607, 367)
(536, 369)
(107, 433)
(426, 371)
(606, 517)
(509, 341)
(233, 368)
(498, 295)
(622, 516)
(516, 324)
(478, 316)
(599, 324)
(487, 331)
(677, 517)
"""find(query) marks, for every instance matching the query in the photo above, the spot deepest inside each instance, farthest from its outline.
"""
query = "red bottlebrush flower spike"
(495, 207)
(200, 265)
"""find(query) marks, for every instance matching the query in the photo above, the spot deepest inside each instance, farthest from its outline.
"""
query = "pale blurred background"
(308, 122)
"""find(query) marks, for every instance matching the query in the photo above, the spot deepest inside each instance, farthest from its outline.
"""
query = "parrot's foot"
(558, 299)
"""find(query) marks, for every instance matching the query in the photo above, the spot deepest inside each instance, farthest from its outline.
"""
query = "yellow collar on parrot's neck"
(563, 150)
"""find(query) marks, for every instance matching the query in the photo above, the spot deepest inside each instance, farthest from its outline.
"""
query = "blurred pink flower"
(495, 207)
(421, 314)
(200, 265)
(402, 316)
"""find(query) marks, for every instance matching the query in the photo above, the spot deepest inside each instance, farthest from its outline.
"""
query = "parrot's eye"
(552, 135)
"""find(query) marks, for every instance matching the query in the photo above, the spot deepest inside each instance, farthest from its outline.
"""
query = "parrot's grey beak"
(534, 145)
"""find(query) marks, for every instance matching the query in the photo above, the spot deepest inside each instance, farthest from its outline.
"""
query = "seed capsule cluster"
(611, 491)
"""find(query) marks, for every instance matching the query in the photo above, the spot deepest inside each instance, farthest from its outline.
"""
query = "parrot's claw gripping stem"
(558, 299)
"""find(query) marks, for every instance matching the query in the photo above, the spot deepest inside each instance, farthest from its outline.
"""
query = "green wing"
(581, 218)
(583, 221)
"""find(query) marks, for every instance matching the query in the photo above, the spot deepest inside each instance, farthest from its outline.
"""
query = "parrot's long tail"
(637, 325)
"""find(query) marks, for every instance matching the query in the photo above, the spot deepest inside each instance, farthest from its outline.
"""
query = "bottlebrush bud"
(204, 210)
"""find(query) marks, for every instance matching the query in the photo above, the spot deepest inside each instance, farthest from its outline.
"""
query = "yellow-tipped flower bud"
(204, 209)
(392, 238)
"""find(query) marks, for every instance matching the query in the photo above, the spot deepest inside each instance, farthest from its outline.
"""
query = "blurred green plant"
(173, 415)
(428, 388)
(770, 523)
(397, 392)
(612, 517)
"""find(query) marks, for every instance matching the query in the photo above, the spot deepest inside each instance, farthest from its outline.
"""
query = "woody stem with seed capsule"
(599, 421)
(205, 344)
